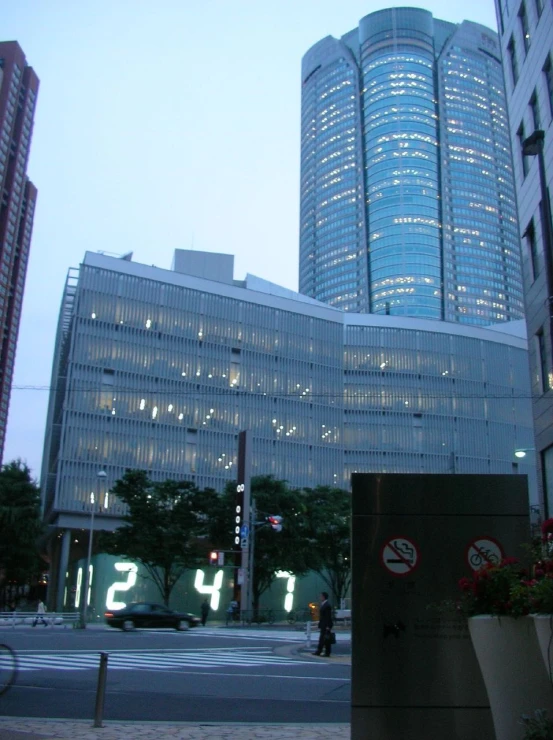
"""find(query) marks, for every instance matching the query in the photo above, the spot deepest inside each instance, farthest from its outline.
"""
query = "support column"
(63, 564)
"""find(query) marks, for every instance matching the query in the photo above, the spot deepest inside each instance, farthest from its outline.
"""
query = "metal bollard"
(308, 634)
(101, 690)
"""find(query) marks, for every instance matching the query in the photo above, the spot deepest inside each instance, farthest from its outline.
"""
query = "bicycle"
(8, 668)
(261, 616)
(299, 615)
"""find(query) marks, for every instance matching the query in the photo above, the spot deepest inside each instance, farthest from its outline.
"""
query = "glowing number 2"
(290, 586)
(213, 590)
(130, 569)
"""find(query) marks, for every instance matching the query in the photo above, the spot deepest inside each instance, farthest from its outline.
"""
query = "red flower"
(547, 530)
(547, 526)
(509, 561)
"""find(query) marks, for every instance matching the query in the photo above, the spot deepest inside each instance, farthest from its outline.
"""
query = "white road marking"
(153, 660)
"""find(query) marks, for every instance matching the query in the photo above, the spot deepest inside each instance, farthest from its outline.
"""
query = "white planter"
(512, 668)
(544, 630)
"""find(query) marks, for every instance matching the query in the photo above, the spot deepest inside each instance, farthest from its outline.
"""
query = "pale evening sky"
(163, 126)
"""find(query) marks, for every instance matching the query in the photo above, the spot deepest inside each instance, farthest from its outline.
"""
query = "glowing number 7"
(130, 569)
(290, 586)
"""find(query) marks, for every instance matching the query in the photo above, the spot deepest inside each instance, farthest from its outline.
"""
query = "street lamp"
(521, 451)
(101, 476)
(533, 147)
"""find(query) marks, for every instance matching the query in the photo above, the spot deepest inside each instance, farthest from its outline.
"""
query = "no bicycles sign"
(484, 550)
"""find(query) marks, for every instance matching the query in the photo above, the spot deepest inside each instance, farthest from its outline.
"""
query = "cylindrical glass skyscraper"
(407, 193)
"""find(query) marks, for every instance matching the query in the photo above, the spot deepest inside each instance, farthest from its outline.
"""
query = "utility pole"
(100, 477)
(242, 522)
(251, 556)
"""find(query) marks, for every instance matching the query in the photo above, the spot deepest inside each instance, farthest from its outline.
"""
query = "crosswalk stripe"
(160, 661)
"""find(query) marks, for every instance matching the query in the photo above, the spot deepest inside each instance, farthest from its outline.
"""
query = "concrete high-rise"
(526, 33)
(18, 93)
(407, 190)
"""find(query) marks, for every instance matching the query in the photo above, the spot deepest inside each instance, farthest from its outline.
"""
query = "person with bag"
(325, 626)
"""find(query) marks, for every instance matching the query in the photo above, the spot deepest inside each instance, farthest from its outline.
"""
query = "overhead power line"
(350, 393)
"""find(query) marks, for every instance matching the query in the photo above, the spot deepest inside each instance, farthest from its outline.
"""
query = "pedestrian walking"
(325, 625)
(205, 609)
(40, 612)
(233, 612)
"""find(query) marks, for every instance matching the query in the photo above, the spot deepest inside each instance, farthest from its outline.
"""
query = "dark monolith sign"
(414, 672)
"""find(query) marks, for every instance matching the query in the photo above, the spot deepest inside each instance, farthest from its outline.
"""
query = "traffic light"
(216, 558)
(275, 522)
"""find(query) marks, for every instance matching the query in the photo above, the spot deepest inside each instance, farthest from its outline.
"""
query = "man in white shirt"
(40, 612)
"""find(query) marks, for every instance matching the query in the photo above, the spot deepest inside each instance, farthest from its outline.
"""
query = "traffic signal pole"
(251, 556)
(245, 524)
(243, 543)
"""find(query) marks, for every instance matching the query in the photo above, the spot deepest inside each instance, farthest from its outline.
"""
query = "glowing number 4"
(213, 590)
(130, 569)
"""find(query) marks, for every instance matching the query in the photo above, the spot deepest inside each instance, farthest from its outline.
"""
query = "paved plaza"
(27, 729)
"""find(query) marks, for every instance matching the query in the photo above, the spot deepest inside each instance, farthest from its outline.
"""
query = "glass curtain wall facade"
(482, 264)
(333, 263)
(426, 117)
(401, 163)
(160, 371)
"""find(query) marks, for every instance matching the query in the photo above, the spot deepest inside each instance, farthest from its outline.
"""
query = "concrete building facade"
(526, 34)
(18, 93)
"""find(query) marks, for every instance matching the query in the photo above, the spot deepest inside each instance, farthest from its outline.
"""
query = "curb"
(303, 653)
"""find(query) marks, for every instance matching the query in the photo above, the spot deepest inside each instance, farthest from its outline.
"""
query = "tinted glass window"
(140, 608)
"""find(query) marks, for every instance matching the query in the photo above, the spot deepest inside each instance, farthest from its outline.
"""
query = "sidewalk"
(341, 652)
(36, 729)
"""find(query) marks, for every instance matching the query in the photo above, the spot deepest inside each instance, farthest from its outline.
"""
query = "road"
(198, 675)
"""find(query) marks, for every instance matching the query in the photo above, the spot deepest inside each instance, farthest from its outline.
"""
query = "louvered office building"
(160, 370)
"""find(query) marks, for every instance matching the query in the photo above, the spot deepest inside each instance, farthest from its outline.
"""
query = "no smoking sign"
(400, 556)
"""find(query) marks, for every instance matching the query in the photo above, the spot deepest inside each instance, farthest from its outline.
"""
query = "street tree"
(285, 550)
(330, 536)
(20, 525)
(165, 528)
